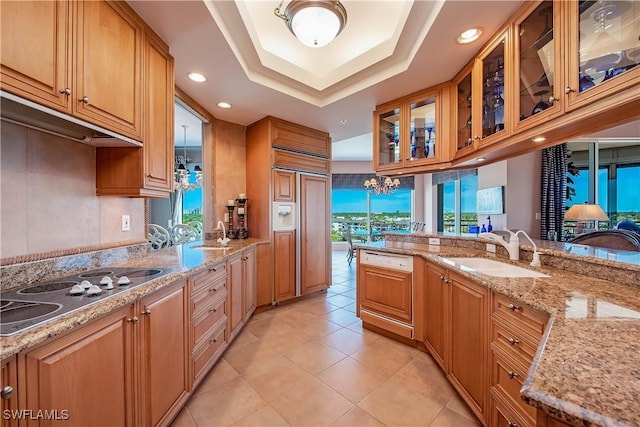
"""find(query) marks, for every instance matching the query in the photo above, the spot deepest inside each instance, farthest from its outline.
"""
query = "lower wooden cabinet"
(284, 266)
(385, 299)
(127, 368)
(516, 331)
(468, 351)
(436, 293)
(164, 364)
(89, 374)
(455, 326)
(8, 391)
(242, 289)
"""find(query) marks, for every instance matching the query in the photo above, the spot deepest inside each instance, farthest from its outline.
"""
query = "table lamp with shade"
(583, 213)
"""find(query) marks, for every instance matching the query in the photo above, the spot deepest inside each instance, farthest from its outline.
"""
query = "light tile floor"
(310, 363)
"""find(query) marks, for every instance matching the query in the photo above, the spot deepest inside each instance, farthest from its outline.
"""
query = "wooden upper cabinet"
(601, 49)
(35, 51)
(406, 132)
(492, 74)
(158, 117)
(108, 66)
(462, 113)
(300, 138)
(146, 171)
(537, 64)
(284, 186)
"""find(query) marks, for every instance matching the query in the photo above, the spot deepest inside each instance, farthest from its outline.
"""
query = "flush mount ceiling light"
(197, 77)
(224, 105)
(314, 22)
(470, 35)
(539, 139)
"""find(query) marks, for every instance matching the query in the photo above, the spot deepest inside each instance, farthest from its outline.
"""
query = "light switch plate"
(434, 241)
(126, 222)
(491, 248)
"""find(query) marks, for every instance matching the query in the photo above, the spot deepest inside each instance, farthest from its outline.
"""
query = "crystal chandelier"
(182, 173)
(381, 185)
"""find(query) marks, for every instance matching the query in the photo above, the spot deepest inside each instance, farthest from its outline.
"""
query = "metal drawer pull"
(6, 392)
(512, 424)
(212, 310)
(212, 290)
(84, 99)
(134, 319)
(512, 374)
(513, 341)
(213, 269)
(147, 312)
(212, 340)
(65, 91)
(514, 307)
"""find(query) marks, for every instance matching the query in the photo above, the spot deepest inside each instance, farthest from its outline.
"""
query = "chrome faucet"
(512, 246)
(535, 261)
(224, 241)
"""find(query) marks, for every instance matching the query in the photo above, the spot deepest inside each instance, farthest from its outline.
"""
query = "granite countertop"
(185, 260)
(587, 369)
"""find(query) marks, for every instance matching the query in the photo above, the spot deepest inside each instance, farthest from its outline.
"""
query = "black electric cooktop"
(25, 307)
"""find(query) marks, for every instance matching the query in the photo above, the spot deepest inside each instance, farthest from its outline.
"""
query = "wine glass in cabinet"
(603, 50)
(537, 61)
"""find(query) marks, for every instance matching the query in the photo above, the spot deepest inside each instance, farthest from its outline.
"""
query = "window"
(368, 215)
(615, 188)
(457, 204)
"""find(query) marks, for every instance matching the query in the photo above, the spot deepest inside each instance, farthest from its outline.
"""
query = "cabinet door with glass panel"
(537, 63)
(387, 130)
(462, 112)
(405, 131)
(602, 49)
(425, 122)
(492, 73)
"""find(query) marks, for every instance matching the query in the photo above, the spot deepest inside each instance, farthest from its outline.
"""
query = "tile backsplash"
(48, 197)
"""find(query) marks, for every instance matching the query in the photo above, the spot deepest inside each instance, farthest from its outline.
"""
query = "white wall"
(352, 167)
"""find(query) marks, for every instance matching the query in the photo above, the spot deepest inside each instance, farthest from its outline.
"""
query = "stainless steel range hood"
(18, 110)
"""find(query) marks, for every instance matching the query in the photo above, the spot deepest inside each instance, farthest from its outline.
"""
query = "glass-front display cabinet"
(387, 132)
(423, 117)
(463, 120)
(537, 64)
(603, 48)
(406, 131)
(493, 72)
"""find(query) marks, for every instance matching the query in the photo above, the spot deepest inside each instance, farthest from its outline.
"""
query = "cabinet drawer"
(211, 347)
(209, 317)
(205, 278)
(507, 379)
(515, 344)
(526, 318)
(503, 415)
(206, 295)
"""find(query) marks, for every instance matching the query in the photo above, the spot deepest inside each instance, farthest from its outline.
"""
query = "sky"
(354, 201)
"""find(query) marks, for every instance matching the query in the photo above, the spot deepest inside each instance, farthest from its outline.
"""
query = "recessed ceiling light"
(470, 35)
(224, 105)
(343, 121)
(481, 159)
(539, 139)
(197, 77)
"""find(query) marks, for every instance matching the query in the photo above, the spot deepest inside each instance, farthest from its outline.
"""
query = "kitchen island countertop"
(587, 368)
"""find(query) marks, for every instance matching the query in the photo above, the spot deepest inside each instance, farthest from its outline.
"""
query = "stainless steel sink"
(492, 267)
